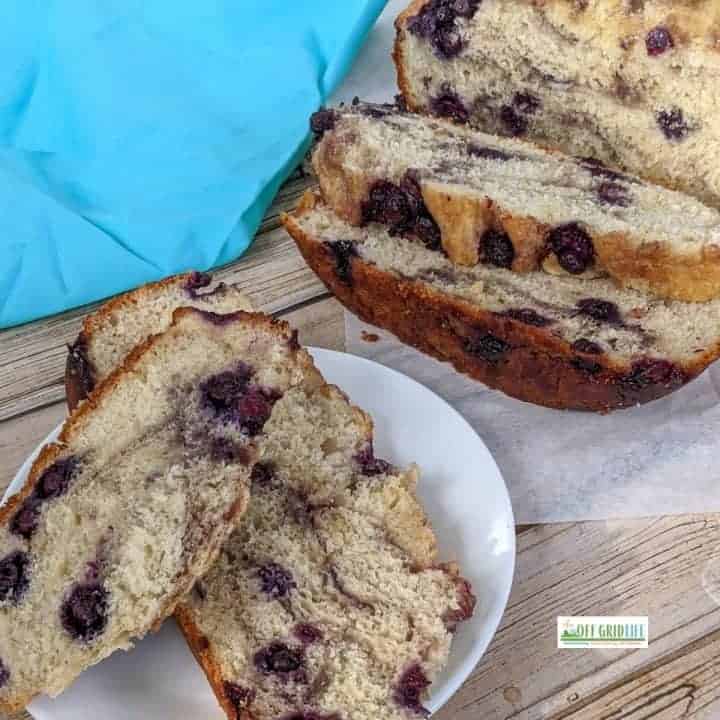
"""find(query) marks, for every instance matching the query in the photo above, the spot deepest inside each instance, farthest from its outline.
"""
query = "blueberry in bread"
(634, 83)
(122, 514)
(507, 203)
(562, 342)
(116, 329)
(328, 601)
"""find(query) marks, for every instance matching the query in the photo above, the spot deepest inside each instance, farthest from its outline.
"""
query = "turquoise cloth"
(140, 138)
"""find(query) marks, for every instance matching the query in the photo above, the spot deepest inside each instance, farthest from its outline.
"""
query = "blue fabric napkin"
(140, 138)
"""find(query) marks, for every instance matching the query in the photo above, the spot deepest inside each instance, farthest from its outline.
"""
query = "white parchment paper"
(661, 458)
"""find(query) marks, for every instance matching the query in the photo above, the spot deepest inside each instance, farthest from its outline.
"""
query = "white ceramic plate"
(463, 493)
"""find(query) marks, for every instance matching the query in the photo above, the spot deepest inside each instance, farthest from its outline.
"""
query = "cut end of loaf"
(561, 73)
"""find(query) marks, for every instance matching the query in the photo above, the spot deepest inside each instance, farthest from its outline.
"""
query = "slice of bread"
(328, 602)
(555, 341)
(116, 329)
(504, 202)
(122, 514)
(635, 83)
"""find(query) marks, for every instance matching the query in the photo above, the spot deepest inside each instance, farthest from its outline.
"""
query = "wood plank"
(641, 567)
(685, 685)
(32, 356)
(320, 323)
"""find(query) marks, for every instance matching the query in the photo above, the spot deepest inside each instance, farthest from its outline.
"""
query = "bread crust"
(201, 649)
(51, 452)
(538, 368)
(464, 217)
(424, 558)
(77, 366)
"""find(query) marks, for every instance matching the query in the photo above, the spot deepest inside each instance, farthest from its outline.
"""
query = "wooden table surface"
(649, 566)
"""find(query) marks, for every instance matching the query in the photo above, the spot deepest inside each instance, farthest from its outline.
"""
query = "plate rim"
(452, 684)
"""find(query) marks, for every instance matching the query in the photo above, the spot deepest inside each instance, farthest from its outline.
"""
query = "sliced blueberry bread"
(635, 83)
(116, 329)
(328, 602)
(130, 506)
(556, 341)
(507, 203)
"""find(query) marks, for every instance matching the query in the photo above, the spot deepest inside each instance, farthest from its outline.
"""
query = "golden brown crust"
(344, 191)
(8, 708)
(463, 218)
(47, 457)
(197, 642)
(653, 267)
(133, 297)
(538, 367)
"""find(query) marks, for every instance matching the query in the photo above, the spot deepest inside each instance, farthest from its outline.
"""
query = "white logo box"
(585, 632)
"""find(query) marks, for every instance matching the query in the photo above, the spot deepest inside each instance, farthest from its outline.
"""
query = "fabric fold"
(142, 139)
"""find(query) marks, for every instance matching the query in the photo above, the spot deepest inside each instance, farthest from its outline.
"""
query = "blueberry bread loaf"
(634, 83)
(130, 506)
(555, 341)
(116, 329)
(328, 602)
(507, 203)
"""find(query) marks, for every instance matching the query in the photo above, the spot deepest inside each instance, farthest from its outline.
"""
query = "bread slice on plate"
(116, 327)
(122, 514)
(328, 602)
(508, 203)
(555, 341)
(634, 83)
